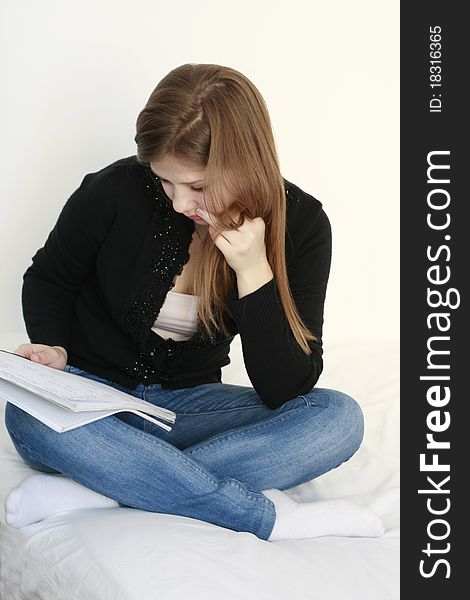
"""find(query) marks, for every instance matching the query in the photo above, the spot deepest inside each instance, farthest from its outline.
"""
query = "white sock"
(295, 521)
(38, 496)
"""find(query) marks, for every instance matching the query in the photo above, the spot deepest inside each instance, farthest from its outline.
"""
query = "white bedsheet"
(127, 554)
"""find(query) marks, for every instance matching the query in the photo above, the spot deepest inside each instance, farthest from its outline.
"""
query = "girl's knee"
(352, 417)
(353, 412)
(18, 422)
(346, 416)
(27, 434)
(13, 417)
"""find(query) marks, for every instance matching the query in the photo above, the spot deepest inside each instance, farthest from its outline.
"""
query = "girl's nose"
(184, 202)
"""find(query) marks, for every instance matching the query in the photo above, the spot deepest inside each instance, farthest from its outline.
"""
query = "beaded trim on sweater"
(169, 253)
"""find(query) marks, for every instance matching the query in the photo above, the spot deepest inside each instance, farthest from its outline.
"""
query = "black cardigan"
(97, 286)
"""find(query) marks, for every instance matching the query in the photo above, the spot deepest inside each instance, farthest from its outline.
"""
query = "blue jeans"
(224, 448)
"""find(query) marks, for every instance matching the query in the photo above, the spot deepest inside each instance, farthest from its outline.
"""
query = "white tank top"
(177, 317)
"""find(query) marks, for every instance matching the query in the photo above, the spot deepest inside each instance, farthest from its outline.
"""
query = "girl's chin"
(195, 219)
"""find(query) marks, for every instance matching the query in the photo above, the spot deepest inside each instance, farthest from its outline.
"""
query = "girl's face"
(183, 184)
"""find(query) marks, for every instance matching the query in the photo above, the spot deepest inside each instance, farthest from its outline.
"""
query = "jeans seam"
(241, 431)
(264, 528)
(171, 450)
(316, 402)
(214, 412)
(257, 497)
(165, 445)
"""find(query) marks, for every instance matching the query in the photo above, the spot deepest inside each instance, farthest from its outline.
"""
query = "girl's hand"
(244, 248)
(50, 356)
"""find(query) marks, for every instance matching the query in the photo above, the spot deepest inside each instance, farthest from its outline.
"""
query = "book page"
(69, 390)
(55, 416)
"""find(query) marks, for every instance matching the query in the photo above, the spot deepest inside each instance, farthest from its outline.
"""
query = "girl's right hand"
(50, 356)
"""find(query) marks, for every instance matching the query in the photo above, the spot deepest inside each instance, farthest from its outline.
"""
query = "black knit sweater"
(97, 286)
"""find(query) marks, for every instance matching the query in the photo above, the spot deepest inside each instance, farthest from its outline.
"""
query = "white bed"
(127, 554)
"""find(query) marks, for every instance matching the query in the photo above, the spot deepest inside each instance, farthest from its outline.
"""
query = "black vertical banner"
(435, 256)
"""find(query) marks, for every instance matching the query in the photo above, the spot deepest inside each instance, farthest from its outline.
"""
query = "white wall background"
(74, 76)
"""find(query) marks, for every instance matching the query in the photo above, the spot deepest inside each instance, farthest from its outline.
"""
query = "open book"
(64, 401)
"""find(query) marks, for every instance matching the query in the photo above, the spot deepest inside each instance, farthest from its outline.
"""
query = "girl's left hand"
(244, 248)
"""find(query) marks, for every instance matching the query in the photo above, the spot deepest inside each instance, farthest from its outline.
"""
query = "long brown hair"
(213, 116)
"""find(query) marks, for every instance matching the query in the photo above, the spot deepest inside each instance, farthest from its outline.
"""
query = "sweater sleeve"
(278, 368)
(53, 280)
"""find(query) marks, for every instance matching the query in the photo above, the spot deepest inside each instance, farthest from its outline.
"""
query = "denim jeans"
(224, 448)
